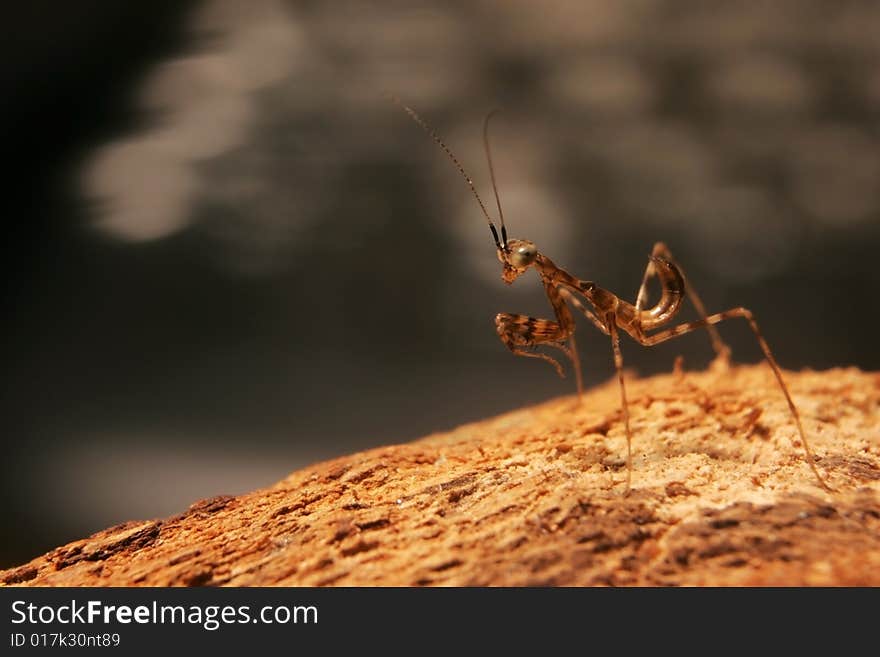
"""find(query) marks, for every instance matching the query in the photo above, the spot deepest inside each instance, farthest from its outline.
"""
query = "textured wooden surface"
(721, 496)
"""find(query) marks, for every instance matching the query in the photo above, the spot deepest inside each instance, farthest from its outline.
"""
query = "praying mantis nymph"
(607, 312)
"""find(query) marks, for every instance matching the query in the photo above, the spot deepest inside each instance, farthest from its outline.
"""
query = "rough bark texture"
(721, 496)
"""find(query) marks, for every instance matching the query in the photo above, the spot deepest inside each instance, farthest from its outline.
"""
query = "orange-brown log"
(721, 496)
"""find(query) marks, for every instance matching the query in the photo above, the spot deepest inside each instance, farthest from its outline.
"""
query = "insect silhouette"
(607, 312)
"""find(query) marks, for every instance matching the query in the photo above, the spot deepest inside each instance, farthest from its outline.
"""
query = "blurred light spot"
(143, 193)
(746, 237)
(835, 174)
(205, 128)
(716, 26)
(608, 85)
(669, 151)
(660, 170)
(145, 185)
(759, 83)
(533, 26)
(419, 52)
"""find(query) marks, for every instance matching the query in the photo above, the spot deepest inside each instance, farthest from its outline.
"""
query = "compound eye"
(523, 255)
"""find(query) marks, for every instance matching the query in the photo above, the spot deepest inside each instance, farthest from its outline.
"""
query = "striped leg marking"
(521, 334)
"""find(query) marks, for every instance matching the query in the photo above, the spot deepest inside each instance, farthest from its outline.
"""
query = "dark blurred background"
(227, 255)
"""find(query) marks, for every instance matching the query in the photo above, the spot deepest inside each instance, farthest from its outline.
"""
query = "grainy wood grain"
(721, 496)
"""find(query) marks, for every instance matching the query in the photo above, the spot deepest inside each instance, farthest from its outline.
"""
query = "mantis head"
(516, 256)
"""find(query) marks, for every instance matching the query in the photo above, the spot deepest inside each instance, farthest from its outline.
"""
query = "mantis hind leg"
(722, 351)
